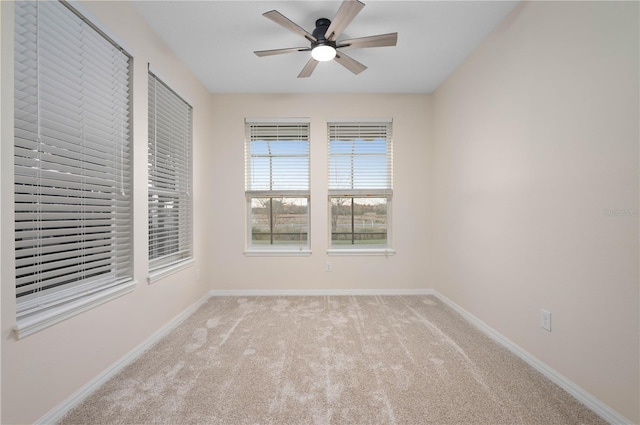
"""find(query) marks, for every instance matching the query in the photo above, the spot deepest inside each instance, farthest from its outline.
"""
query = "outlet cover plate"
(545, 320)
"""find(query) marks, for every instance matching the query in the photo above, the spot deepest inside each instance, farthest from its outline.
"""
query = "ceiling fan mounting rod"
(319, 33)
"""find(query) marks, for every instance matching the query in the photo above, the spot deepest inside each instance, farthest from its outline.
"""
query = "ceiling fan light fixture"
(323, 52)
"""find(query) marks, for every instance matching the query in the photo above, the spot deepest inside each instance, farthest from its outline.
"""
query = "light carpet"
(328, 360)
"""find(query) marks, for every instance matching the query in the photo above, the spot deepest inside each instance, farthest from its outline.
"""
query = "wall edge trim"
(597, 406)
(593, 403)
(315, 292)
(58, 412)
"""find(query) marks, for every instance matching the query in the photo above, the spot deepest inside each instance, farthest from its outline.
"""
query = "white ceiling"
(216, 40)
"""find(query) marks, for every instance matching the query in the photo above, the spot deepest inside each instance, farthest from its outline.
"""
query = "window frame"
(338, 188)
(179, 157)
(256, 190)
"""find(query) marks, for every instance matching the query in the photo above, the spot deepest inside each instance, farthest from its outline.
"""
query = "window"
(72, 167)
(169, 153)
(360, 184)
(277, 185)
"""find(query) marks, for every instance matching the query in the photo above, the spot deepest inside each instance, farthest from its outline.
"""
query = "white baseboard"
(315, 292)
(601, 409)
(79, 396)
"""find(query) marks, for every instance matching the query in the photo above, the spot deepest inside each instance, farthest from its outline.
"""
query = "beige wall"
(501, 184)
(535, 143)
(231, 270)
(42, 370)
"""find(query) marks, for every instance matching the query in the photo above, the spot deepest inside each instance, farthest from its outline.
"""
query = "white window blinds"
(170, 201)
(360, 158)
(277, 158)
(72, 161)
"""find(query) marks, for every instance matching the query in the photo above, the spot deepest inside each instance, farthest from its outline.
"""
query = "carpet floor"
(328, 360)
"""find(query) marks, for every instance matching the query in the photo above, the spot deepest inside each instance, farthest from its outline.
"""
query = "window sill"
(44, 319)
(386, 252)
(162, 272)
(305, 252)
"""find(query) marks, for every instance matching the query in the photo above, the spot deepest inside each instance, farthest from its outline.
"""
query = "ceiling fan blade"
(349, 63)
(262, 53)
(347, 11)
(280, 19)
(381, 40)
(308, 68)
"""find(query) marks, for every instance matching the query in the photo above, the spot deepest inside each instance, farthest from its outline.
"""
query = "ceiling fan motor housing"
(322, 25)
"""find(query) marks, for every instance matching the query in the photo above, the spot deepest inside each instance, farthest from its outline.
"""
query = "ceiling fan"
(324, 43)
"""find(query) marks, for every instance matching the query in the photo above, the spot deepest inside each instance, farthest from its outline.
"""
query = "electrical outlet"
(545, 320)
(328, 266)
